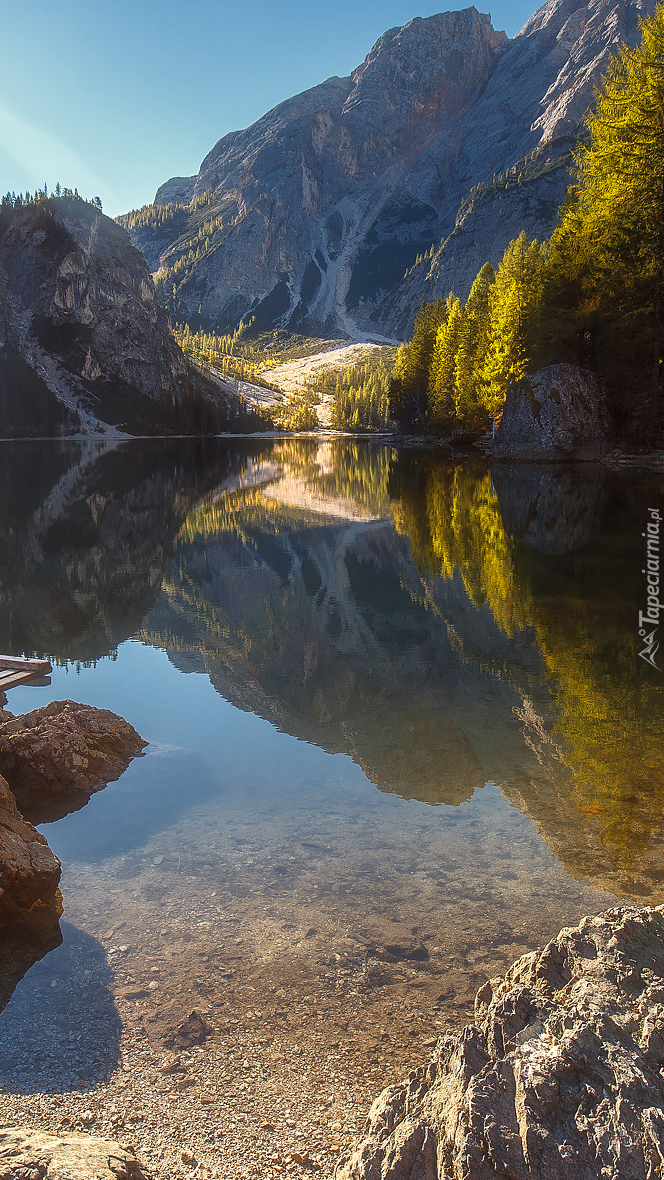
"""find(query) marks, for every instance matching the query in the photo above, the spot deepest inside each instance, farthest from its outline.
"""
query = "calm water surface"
(399, 731)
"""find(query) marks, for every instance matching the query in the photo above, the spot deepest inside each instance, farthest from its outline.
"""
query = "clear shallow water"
(399, 731)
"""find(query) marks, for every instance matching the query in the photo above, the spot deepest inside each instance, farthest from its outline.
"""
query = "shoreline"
(615, 459)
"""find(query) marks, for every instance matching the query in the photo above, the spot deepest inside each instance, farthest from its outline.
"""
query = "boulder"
(560, 1078)
(557, 413)
(29, 872)
(63, 753)
(26, 1154)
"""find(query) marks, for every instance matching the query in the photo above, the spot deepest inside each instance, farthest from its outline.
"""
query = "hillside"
(428, 159)
(84, 346)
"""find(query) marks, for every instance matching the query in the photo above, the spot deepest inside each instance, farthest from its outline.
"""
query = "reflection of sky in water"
(225, 807)
(202, 751)
(207, 756)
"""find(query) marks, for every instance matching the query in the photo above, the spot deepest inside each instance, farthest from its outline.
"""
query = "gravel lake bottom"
(231, 1005)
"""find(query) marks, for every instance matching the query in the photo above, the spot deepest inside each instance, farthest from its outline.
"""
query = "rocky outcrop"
(557, 413)
(26, 1154)
(29, 872)
(54, 758)
(84, 346)
(63, 752)
(447, 133)
(560, 1078)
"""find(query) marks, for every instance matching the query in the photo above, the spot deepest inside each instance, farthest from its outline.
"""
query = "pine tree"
(410, 380)
(474, 340)
(605, 279)
(441, 390)
(515, 301)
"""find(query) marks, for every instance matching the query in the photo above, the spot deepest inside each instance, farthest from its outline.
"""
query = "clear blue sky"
(115, 96)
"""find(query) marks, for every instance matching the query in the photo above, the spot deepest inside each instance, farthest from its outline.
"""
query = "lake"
(399, 734)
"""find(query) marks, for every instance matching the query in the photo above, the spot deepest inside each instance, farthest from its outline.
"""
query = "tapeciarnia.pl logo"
(651, 614)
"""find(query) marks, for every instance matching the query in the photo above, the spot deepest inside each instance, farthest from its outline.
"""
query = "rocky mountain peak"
(423, 73)
(447, 140)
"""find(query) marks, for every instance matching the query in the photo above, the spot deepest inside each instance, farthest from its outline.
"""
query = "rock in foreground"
(557, 413)
(25, 1154)
(559, 1079)
(29, 872)
(62, 750)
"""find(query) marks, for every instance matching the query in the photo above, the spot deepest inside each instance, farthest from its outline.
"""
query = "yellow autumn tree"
(605, 279)
(515, 302)
(442, 372)
(474, 339)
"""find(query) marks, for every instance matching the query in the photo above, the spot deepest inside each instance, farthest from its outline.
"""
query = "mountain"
(84, 346)
(445, 143)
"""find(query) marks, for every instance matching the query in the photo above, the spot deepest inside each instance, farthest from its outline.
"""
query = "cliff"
(447, 141)
(84, 346)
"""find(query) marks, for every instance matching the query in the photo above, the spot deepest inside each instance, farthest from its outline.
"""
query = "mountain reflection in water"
(444, 626)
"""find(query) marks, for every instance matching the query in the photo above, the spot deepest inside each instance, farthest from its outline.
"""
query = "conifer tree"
(474, 339)
(605, 279)
(515, 301)
(441, 391)
(408, 393)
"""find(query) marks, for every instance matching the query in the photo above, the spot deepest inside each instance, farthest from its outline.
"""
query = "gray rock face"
(35, 1155)
(559, 1079)
(557, 413)
(84, 346)
(29, 872)
(318, 209)
(179, 190)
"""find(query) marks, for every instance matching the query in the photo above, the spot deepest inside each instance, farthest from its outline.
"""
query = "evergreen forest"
(360, 393)
(592, 295)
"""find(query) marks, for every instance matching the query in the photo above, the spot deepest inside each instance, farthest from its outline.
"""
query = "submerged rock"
(63, 753)
(27, 1153)
(560, 1077)
(29, 872)
(194, 1030)
(557, 413)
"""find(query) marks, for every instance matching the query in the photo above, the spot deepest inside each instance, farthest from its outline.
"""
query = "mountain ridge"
(311, 217)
